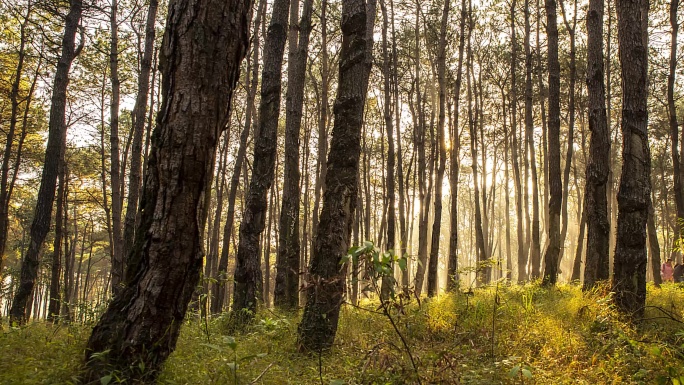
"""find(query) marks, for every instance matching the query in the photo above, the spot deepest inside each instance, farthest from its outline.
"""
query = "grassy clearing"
(539, 336)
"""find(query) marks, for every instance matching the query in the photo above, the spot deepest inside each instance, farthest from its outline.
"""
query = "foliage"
(543, 336)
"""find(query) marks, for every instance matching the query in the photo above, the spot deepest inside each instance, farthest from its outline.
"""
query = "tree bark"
(598, 167)
(634, 196)
(247, 267)
(46, 193)
(138, 115)
(433, 277)
(555, 189)
(203, 45)
(317, 329)
(220, 284)
(118, 262)
(287, 262)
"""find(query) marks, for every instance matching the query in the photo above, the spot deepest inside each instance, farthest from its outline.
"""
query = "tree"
(324, 297)
(46, 193)
(247, 266)
(598, 167)
(629, 269)
(287, 262)
(200, 61)
(433, 282)
(452, 267)
(555, 189)
(134, 175)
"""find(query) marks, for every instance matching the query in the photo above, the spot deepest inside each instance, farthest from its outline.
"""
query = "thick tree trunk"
(287, 262)
(200, 62)
(317, 329)
(138, 115)
(598, 167)
(247, 267)
(46, 193)
(555, 189)
(634, 196)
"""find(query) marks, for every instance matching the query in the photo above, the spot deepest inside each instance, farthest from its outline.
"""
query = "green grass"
(539, 336)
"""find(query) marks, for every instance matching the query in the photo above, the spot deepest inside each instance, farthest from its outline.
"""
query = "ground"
(539, 336)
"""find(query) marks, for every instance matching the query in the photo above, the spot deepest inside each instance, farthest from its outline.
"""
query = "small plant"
(234, 365)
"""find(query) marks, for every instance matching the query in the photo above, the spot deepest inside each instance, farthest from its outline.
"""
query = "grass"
(539, 336)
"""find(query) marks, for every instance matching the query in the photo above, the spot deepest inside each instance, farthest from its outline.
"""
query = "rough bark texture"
(139, 112)
(634, 196)
(46, 193)
(598, 166)
(286, 292)
(555, 188)
(204, 43)
(56, 268)
(247, 267)
(325, 292)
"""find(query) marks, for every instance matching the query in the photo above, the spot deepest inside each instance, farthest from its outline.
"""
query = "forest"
(341, 192)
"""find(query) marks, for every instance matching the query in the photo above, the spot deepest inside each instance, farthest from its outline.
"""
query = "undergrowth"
(538, 336)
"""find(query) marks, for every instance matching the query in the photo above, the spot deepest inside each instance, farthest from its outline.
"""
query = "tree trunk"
(118, 262)
(201, 55)
(653, 246)
(247, 266)
(454, 166)
(56, 268)
(555, 189)
(598, 167)
(287, 261)
(219, 289)
(138, 115)
(634, 196)
(529, 140)
(46, 193)
(678, 170)
(433, 277)
(317, 329)
(522, 257)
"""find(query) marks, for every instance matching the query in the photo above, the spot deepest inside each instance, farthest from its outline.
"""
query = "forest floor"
(536, 336)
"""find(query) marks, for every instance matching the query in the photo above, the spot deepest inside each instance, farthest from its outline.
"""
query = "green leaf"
(106, 379)
(402, 263)
(514, 371)
(527, 373)
(230, 341)
(337, 382)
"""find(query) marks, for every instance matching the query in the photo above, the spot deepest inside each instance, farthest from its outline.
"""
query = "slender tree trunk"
(56, 268)
(5, 184)
(287, 262)
(678, 170)
(555, 189)
(535, 248)
(46, 193)
(522, 257)
(454, 166)
(598, 167)
(138, 115)
(634, 196)
(653, 246)
(317, 329)
(220, 285)
(118, 263)
(141, 325)
(247, 267)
